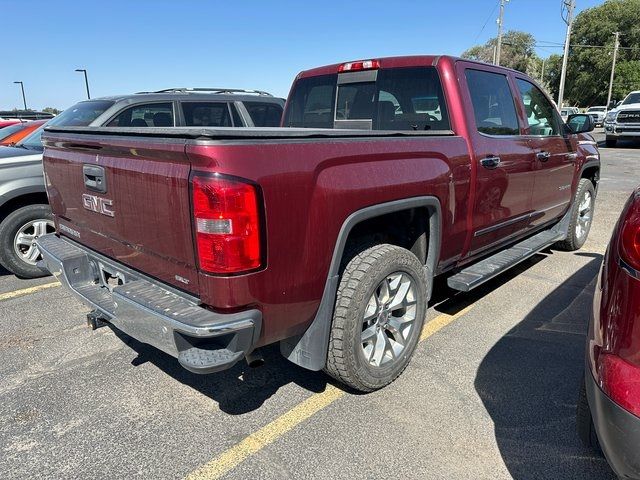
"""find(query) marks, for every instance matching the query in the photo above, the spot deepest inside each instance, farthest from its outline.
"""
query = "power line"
(486, 21)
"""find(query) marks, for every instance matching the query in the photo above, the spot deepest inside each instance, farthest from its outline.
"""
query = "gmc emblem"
(97, 204)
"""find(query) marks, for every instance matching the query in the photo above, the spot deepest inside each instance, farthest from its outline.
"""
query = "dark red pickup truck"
(324, 235)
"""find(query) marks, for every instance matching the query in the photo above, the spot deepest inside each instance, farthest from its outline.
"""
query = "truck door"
(552, 154)
(502, 158)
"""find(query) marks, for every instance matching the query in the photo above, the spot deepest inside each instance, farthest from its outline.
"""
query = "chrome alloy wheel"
(389, 319)
(24, 242)
(585, 210)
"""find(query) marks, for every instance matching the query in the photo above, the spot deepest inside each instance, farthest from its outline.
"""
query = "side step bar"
(483, 271)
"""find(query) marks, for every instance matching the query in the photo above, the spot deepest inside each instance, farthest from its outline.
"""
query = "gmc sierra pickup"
(324, 235)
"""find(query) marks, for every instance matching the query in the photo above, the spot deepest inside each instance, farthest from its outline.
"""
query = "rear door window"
(145, 115)
(264, 114)
(206, 114)
(493, 105)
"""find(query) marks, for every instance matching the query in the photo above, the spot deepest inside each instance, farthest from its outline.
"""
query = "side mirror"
(580, 123)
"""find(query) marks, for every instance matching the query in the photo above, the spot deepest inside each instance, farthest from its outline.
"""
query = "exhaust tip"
(254, 359)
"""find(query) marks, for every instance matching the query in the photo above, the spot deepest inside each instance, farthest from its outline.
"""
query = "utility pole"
(613, 66)
(542, 71)
(24, 99)
(86, 80)
(570, 4)
(496, 56)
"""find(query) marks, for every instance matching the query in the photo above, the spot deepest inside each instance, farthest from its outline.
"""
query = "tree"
(517, 52)
(55, 111)
(552, 70)
(589, 68)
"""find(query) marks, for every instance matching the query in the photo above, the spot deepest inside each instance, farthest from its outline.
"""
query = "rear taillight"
(620, 380)
(227, 224)
(630, 236)
(359, 66)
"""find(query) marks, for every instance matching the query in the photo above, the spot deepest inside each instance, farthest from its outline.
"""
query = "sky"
(142, 45)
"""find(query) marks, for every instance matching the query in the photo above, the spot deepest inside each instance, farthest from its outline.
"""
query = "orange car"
(14, 133)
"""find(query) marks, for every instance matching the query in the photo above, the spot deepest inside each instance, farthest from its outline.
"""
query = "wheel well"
(405, 228)
(593, 174)
(22, 201)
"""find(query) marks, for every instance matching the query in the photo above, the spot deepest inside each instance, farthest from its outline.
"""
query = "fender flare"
(20, 188)
(309, 350)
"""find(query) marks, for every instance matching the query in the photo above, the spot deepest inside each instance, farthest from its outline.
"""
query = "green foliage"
(589, 69)
(518, 52)
(55, 111)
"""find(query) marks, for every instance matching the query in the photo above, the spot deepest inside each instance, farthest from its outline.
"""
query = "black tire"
(359, 283)
(584, 421)
(611, 142)
(9, 228)
(578, 233)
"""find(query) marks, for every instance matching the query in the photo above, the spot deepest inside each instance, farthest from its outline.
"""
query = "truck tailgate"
(126, 198)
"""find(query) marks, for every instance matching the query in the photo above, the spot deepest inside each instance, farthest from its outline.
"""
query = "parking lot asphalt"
(490, 393)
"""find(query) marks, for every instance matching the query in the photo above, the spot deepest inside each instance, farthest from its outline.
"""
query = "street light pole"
(24, 99)
(496, 58)
(613, 67)
(86, 80)
(570, 4)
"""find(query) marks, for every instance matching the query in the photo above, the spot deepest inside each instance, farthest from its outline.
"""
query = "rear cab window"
(145, 115)
(406, 98)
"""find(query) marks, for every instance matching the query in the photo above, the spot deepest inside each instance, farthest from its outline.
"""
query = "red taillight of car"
(630, 235)
(359, 66)
(227, 224)
(620, 380)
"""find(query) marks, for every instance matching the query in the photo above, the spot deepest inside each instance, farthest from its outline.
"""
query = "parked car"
(22, 195)
(25, 115)
(624, 120)
(597, 114)
(208, 243)
(565, 112)
(14, 133)
(7, 123)
(609, 403)
(24, 211)
(194, 107)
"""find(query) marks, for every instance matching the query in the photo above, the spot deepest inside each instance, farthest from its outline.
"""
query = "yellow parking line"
(235, 455)
(27, 291)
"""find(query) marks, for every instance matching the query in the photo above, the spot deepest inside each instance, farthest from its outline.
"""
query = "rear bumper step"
(172, 321)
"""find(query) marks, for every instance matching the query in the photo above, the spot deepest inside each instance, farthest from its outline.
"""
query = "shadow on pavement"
(621, 143)
(241, 389)
(529, 384)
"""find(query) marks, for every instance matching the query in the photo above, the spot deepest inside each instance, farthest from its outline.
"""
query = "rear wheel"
(581, 217)
(379, 314)
(18, 233)
(610, 142)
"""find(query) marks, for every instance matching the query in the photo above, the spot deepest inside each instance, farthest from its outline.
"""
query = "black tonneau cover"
(235, 133)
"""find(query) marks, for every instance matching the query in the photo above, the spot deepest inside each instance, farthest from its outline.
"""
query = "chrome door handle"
(572, 157)
(543, 156)
(490, 162)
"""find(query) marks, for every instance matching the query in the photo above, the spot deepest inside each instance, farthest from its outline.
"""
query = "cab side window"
(493, 105)
(541, 114)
